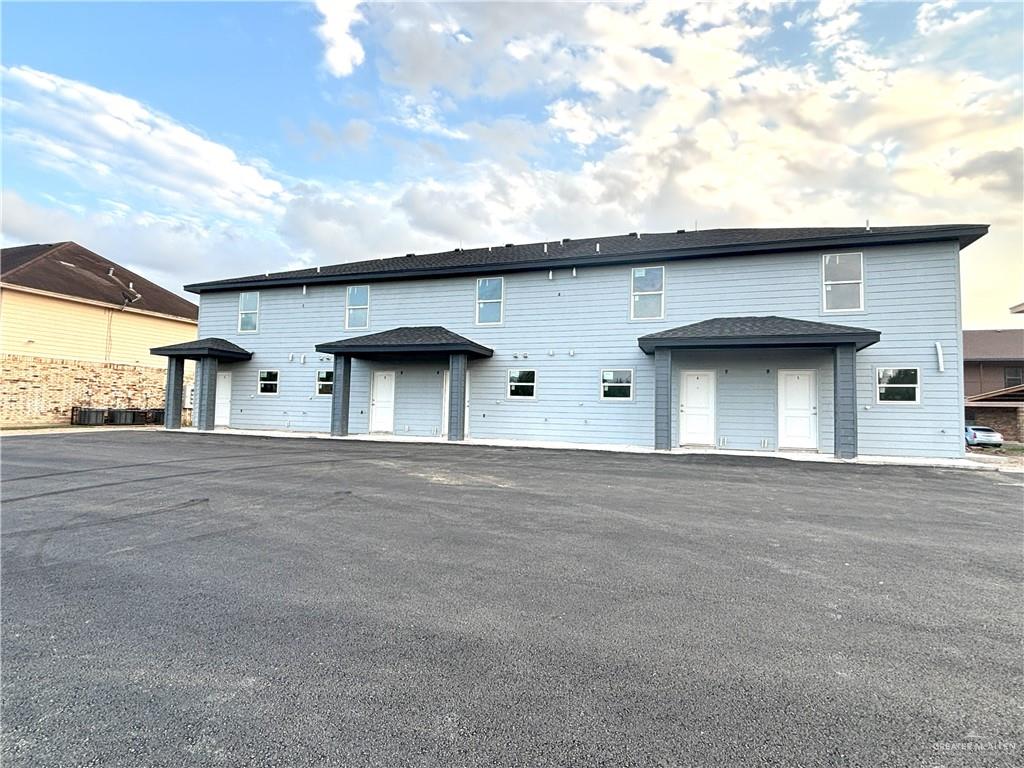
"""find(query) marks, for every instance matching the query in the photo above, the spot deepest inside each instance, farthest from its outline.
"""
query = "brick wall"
(1008, 421)
(39, 390)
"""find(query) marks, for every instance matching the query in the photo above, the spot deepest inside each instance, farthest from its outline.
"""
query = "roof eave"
(340, 348)
(963, 235)
(862, 340)
(199, 352)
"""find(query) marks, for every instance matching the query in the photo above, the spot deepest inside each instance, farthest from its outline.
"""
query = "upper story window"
(647, 289)
(248, 311)
(898, 385)
(842, 277)
(357, 307)
(490, 300)
(1013, 376)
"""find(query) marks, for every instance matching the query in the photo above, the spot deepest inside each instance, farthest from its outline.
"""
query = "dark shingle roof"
(222, 349)
(757, 331)
(430, 338)
(70, 270)
(614, 249)
(994, 345)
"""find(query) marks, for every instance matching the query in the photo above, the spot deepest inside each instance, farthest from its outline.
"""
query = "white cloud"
(579, 125)
(939, 17)
(106, 140)
(424, 117)
(170, 250)
(342, 50)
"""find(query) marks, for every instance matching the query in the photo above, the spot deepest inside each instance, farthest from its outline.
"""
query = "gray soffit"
(212, 347)
(406, 341)
(757, 332)
(596, 251)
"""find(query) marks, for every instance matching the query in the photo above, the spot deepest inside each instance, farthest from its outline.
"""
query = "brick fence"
(40, 390)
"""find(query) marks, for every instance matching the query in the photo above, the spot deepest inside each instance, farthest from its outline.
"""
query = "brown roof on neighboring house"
(71, 270)
(1005, 396)
(994, 345)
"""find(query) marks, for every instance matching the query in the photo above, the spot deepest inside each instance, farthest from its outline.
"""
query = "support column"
(340, 397)
(845, 398)
(174, 392)
(662, 399)
(457, 364)
(205, 404)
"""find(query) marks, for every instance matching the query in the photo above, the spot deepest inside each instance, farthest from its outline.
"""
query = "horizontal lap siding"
(911, 296)
(570, 328)
(287, 319)
(418, 394)
(746, 395)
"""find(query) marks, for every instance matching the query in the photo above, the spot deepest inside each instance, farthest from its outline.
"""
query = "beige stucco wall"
(46, 326)
(58, 353)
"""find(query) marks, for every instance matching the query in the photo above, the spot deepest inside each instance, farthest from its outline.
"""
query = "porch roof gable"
(419, 340)
(221, 349)
(769, 331)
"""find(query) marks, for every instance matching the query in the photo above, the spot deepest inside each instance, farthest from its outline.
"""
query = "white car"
(982, 436)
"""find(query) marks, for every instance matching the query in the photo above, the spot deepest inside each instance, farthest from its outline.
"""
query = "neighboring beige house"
(994, 380)
(77, 329)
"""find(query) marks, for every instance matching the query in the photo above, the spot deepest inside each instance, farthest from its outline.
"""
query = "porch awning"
(407, 341)
(1008, 397)
(220, 349)
(768, 331)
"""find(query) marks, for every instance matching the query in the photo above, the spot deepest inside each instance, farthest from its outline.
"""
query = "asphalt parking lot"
(182, 599)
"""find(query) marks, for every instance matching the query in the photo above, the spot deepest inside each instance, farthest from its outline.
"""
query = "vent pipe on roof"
(131, 286)
(597, 247)
(867, 224)
(110, 272)
(545, 247)
(318, 270)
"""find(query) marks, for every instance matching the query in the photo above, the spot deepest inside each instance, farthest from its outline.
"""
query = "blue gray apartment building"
(842, 341)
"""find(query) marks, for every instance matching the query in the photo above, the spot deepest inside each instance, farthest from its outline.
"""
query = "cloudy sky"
(204, 140)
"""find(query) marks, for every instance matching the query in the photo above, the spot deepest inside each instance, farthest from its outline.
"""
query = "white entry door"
(222, 405)
(445, 394)
(798, 409)
(697, 408)
(382, 402)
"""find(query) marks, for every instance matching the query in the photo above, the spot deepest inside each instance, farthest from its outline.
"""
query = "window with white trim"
(357, 307)
(522, 383)
(647, 293)
(842, 276)
(267, 382)
(490, 300)
(325, 382)
(617, 384)
(248, 311)
(898, 385)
